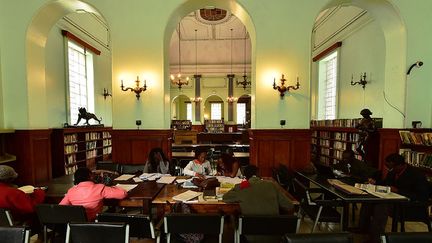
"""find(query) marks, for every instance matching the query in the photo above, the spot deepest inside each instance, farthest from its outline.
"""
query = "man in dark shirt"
(355, 168)
(404, 180)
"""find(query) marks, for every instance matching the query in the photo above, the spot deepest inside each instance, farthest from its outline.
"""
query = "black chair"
(5, 218)
(274, 225)
(320, 237)
(414, 212)
(56, 217)
(207, 224)
(97, 233)
(140, 225)
(107, 165)
(417, 237)
(284, 177)
(14, 235)
(319, 209)
(131, 169)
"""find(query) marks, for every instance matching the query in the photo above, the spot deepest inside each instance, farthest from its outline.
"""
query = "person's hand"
(201, 176)
(371, 181)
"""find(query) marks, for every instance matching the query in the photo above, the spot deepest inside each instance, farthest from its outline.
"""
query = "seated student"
(404, 180)
(355, 168)
(90, 195)
(20, 204)
(157, 162)
(227, 165)
(199, 166)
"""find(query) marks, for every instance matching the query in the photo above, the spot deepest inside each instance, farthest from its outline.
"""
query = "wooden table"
(190, 155)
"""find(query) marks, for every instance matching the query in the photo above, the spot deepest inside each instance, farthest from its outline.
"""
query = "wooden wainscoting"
(133, 146)
(33, 155)
(270, 147)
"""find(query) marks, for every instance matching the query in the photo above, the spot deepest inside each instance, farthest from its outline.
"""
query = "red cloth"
(21, 205)
(244, 184)
(91, 195)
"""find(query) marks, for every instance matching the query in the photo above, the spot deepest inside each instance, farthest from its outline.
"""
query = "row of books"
(181, 124)
(106, 142)
(92, 136)
(408, 137)
(107, 150)
(71, 158)
(70, 170)
(71, 148)
(91, 145)
(106, 135)
(70, 138)
(415, 158)
(91, 153)
(343, 122)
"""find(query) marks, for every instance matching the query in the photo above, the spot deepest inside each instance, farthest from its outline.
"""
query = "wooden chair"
(140, 225)
(56, 217)
(131, 168)
(263, 225)
(207, 224)
(97, 233)
(5, 218)
(417, 237)
(14, 235)
(320, 237)
(107, 165)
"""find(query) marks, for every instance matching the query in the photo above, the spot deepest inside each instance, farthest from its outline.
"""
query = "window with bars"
(216, 111)
(327, 87)
(241, 113)
(81, 87)
(189, 111)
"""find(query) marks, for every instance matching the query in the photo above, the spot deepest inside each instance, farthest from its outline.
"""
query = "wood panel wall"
(33, 151)
(271, 147)
(133, 146)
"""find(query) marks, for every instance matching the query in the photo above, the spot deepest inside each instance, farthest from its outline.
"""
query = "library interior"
(205, 120)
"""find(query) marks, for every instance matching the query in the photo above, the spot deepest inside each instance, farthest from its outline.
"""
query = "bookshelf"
(181, 124)
(416, 147)
(331, 137)
(214, 126)
(79, 147)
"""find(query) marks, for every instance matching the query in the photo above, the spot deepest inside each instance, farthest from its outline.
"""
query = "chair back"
(97, 233)
(5, 218)
(417, 237)
(107, 165)
(268, 224)
(319, 237)
(131, 169)
(139, 225)
(300, 191)
(207, 224)
(14, 234)
(60, 214)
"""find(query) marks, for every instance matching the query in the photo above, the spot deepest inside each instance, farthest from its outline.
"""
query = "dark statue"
(366, 127)
(83, 114)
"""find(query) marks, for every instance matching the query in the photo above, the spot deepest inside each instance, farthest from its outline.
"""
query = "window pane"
(327, 87)
(241, 113)
(189, 111)
(216, 111)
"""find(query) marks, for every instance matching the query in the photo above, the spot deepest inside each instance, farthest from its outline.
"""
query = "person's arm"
(188, 169)
(146, 167)
(235, 168)
(231, 195)
(24, 203)
(65, 200)
(207, 168)
(114, 192)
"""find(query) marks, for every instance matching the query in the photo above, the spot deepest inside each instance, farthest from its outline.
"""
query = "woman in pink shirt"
(90, 195)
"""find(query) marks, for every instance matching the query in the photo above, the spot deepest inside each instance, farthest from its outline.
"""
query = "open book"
(379, 191)
(186, 196)
(27, 189)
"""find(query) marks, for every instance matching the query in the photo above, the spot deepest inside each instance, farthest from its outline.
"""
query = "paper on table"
(124, 177)
(152, 176)
(166, 179)
(181, 180)
(127, 187)
(137, 179)
(186, 196)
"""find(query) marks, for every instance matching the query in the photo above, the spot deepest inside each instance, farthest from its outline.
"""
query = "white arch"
(190, 6)
(393, 27)
(36, 38)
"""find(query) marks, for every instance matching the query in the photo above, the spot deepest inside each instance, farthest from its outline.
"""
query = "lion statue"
(83, 114)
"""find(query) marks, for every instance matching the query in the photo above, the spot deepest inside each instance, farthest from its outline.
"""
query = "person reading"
(355, 168)
(157, 162)
(227, 165)
(199, 166)
(90, 195)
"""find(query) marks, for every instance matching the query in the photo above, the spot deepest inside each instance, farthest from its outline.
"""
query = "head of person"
(82, 174)
(365, 113)
(250, 171)
(347, 155)
(156, 155)
(200, 155)
(7, 174)
(395, 162)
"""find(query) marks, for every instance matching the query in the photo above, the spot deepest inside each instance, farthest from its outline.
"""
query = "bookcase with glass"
(181, 124)
(214, 126)
(79, 147)
(416, 147)
(331, 137)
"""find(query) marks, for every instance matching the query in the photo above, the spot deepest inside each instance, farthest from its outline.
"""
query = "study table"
(322, 182)
(189, 155)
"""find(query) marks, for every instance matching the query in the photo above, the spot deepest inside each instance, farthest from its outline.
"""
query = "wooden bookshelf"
(416, 147)
(214, 126)
(79, 147)
(181, 124)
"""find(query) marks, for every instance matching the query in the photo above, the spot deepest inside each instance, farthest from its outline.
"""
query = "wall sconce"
(196, 99)
(232, 99)
(362, 80)
(137, 89)
(106, 93)
(282, 88)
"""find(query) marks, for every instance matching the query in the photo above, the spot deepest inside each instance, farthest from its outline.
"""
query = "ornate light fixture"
(137, 89)
(362, 80)
(231, 99)
(106, 93)
(196, 99)
(282, 88)
(245, 82)
(178, 80)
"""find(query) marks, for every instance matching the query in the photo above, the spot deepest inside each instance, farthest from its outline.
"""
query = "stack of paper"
(166, 179)
(186, 196)
(127, 187)
(124, 177)
(151, 176)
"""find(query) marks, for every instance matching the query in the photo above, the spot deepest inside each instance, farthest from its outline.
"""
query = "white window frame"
(216, 111)
(189, 111)
(241, 113)
(85, 94)
(322, 104)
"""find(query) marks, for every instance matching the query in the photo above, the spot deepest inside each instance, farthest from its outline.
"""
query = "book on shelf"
(343, 122)
(416, 138)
